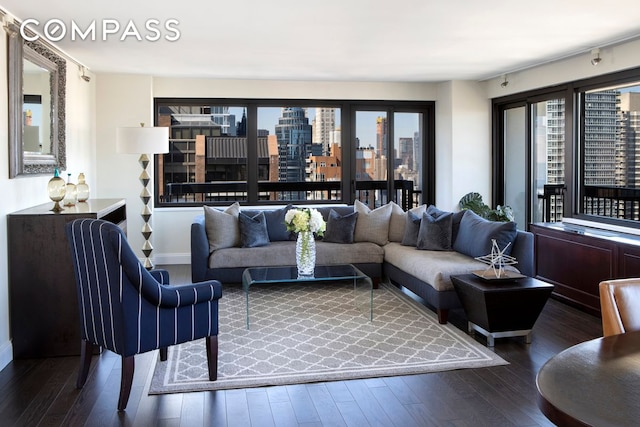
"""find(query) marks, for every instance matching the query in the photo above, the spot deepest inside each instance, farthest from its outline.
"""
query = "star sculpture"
(497, 259)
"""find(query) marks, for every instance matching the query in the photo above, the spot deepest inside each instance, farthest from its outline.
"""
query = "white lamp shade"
(142, 140)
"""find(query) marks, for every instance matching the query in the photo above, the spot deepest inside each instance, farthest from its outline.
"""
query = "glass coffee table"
(362, 284)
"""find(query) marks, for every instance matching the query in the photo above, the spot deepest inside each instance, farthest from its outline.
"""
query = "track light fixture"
(83, 75)
(505, 83)
(595, 56)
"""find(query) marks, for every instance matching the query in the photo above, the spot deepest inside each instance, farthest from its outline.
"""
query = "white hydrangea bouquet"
(305, 219)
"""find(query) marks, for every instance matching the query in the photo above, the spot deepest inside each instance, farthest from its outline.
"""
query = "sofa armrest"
(199, 250)
(523, 252)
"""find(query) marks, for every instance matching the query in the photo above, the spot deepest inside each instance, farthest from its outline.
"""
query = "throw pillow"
(372, 225)
(435, 232)
(457, 217)
(398, 221)
(475, 234)
(340, 228)
(253, 230)
(411, 229)
(275, 223)
(222, 227)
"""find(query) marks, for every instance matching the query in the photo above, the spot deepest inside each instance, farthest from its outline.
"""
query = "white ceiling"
(340, 40)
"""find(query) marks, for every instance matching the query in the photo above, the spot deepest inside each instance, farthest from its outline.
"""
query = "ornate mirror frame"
(23, 162)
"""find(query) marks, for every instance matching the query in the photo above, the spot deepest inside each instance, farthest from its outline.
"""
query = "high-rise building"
(324, 124)
(600, 136)
(294, 144)
(628, 150)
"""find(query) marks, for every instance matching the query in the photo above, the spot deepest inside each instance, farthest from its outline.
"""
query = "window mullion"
(252, 154)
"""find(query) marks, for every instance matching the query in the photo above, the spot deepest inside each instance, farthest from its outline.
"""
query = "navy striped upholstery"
(124, 307)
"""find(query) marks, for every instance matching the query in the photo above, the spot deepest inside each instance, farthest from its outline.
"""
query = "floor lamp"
(144, 141)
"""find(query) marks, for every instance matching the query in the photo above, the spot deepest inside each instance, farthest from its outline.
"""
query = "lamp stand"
(145, 196)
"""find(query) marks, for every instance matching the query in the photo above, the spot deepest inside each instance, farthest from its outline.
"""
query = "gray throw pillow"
(457, 217)
(475, 234)
(435, 232)
(340, 228)
(411, 229)
(222, 227)
(253, 230)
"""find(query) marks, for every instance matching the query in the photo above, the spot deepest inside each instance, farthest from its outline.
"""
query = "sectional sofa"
(419, 249)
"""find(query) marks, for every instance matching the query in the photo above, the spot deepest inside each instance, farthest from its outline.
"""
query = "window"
(610, 152)
(571, 151)
(281, 151)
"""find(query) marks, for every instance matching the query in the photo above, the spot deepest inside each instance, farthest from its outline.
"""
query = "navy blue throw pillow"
(253, 230)
(457, 217)
(340, 228)
(435, 232)
(475, 234)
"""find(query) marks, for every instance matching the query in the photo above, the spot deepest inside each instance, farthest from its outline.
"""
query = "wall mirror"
(37, 87)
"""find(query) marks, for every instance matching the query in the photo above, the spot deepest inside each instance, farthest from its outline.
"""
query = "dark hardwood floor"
(41, 392)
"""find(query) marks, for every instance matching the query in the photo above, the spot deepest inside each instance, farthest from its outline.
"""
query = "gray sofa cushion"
(433, 267)
(284, 253)
(475, 234)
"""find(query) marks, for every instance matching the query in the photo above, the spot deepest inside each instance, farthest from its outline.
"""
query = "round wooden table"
(595, 383)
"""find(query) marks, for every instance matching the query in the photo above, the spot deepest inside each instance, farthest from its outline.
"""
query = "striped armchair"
(129, 310)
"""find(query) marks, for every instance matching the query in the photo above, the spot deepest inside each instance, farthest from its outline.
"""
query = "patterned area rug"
(319, 332)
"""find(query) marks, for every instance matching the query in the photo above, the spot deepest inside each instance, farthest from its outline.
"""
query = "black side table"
(500, 309)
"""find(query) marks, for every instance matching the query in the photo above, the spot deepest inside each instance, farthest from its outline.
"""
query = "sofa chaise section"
(427, 273)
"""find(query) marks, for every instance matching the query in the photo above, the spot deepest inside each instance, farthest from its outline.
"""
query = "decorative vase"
(305, 254)
(70, 195)
(56, 189)
(82, 189)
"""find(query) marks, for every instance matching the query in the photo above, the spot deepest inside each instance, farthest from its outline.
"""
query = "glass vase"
(56, 189)
(70, 195)
(305, 254)
(82, 189)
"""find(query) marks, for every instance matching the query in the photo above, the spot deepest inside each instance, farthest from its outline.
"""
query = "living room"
(113, 99)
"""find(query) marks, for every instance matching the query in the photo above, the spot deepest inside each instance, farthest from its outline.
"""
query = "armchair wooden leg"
(212, 356)
(163, 353)
(86, 351)
(128, 366)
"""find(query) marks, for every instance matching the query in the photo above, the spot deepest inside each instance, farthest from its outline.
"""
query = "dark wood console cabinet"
(43, 302)
(577, 258)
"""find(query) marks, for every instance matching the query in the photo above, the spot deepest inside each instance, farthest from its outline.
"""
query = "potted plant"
(473, 202)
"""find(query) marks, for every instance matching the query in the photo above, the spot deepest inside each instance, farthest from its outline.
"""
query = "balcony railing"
(372, 193)
(612, 202)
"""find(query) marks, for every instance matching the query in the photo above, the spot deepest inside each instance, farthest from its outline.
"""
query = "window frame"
(347, 123)
(574, 140)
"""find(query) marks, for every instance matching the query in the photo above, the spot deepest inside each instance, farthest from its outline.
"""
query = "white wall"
(463, 143)
(23, 192)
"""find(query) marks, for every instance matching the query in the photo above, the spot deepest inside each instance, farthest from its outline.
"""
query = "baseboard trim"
(172, 258)
(6, 354)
